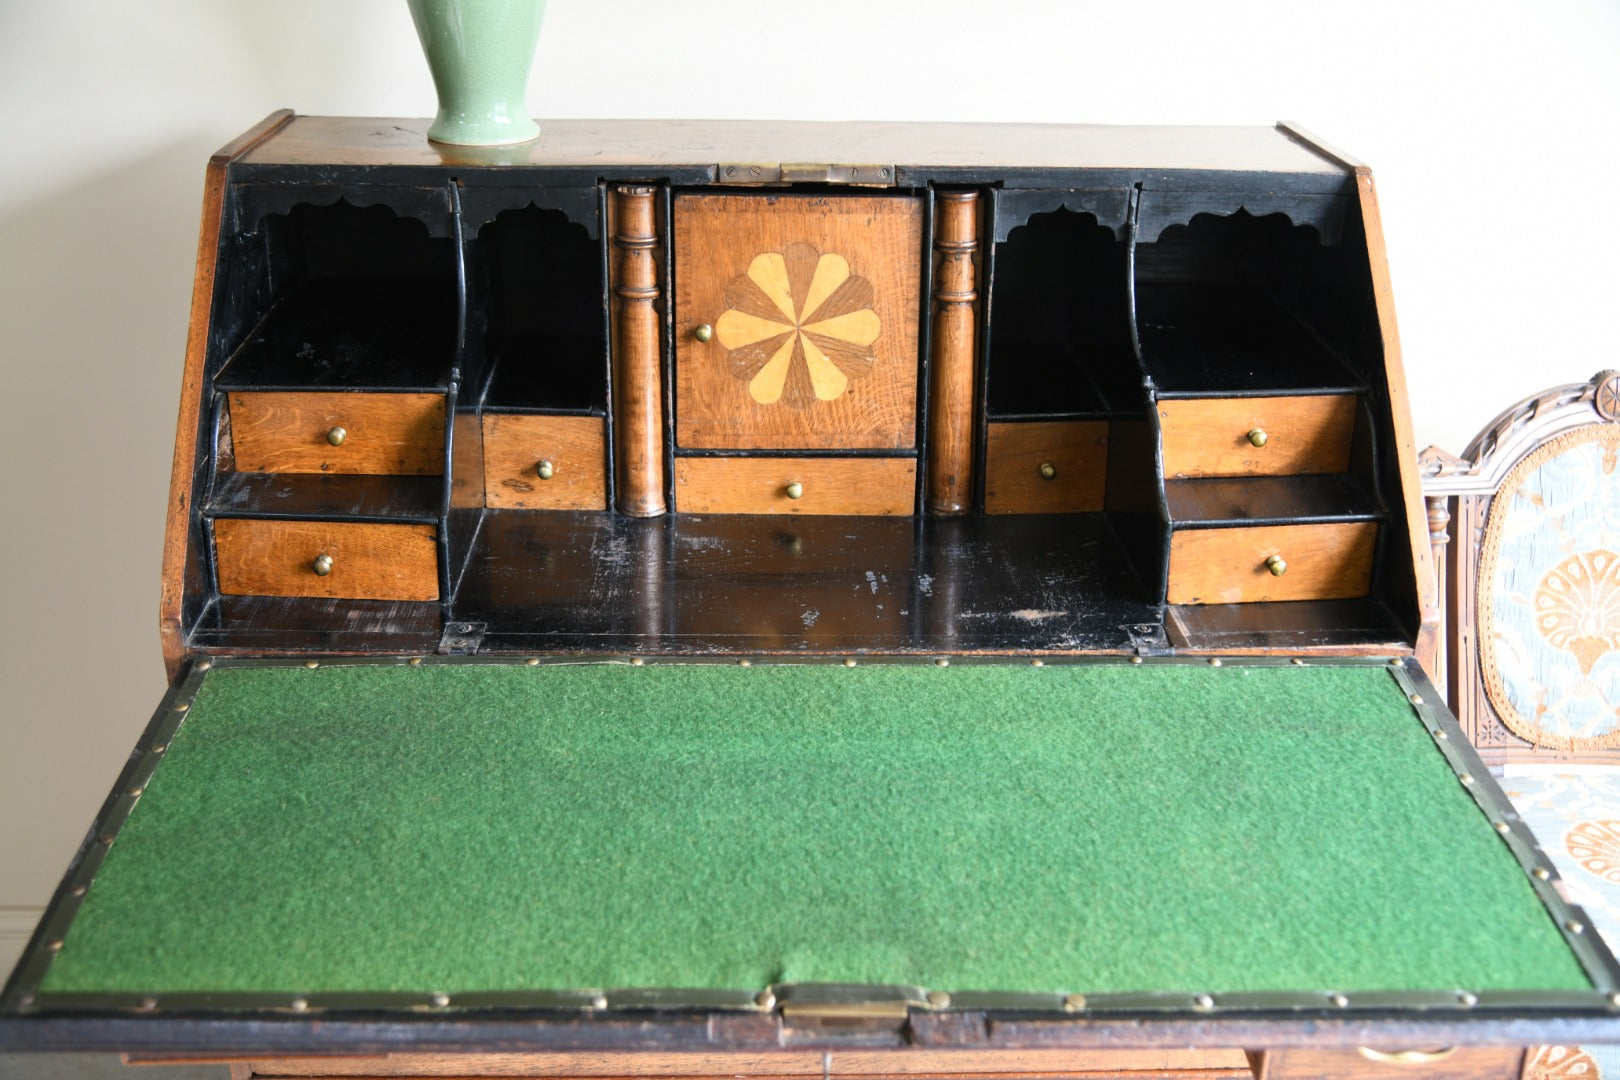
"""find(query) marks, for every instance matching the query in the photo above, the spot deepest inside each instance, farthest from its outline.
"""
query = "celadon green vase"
(479, 52)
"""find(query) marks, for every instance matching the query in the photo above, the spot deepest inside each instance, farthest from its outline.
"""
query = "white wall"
(1492, 127)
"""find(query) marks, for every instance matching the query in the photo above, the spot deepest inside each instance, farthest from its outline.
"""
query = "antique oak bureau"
(792, 599)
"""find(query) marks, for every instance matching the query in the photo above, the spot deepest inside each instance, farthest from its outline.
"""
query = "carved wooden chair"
(1526, 533)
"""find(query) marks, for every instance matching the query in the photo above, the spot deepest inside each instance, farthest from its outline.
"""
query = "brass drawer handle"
(1048, 471)
(336, 436)
(322, 565)
(545, 470)
(1257, 437)
(795, 490)
(1406, 1057)
(704, 333)
(1277, 565)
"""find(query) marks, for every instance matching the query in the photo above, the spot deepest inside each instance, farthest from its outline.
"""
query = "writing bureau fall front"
(940, 592)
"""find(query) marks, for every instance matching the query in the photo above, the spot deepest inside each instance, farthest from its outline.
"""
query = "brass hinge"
(804, 173)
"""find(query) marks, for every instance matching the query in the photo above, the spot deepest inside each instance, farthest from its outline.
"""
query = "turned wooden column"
(950, 397)
(638, 395)
(1434, 659)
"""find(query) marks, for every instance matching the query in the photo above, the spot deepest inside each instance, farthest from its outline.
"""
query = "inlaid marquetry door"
(796, 321)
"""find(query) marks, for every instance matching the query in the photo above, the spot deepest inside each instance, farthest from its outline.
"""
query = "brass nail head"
(703, 332)
(1257, 437)
(300, 1005)
(148, 1004)
(441, 1000)
(1048, 471)
(204, 665)
(1540, 873)
(159, 748)
(599, 1001)
(1136, 660)
(415, 661)
(1614, 1000)
(79, 890)
(765, 999)
(54, 945)
(745, 663)
(1277, 565)
(312, 664)
(533, 661)
(1466, 779)
(850, 661)
(1416, 699)
(336, 436)
(27, 1000)
(1503, 827)
(322, 565)
(942, 662)
(795, 490)
(636, 661)
(1441, 734)
(1037, 663)
(1214, 661)
(1339, 1001)
(1074, 1002)
(183, 706)
(1467, 1000)
(939, 999)
(1298, 661)
(1575, 927)
(136, 791)
(1203, 1001)
(545, 470)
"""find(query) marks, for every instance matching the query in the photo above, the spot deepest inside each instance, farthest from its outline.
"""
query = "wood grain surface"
(1228, 566)
(638, 387)
(388, 434)
(369, 561)
(814, 301)
(514, 446)
(177, 533)
(954, 346)
(1077, 450)
(1433, 1063)
(868, 1064)
(1210, 436)
(669, 143)
(877, 486)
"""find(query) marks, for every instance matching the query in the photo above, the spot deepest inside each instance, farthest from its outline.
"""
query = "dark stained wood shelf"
(299, 495)
(1256, 500)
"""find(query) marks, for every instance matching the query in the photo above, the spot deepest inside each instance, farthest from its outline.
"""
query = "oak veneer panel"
(286, 431)
(1448, 1063)
(514, 446)
(813, 301)
(1077, 450)
(369, 561)
(1210, 436)
(1208, 1064)
(1228, 566)
(876, 486)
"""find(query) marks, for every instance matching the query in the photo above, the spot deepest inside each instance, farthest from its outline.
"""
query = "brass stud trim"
(1540, 873)
(300, 1005)
(599, 1001)
(939, 999)
(1465, 779)
(1136, 660)
(312, 664)
(204, 665)
(636, 661)
(1214, 661)
(765, 999)
(1074, 1002)
(54, 945)
(415, 661)
(942, 662)
(1339, 1001)
(1416, 699)
(1037, 663)
(745, 663)
(149, 1004)
(1203, 1002)
(79, 890)
(850, 661)
(533, 661)
(441, 1001)
(1467, 1000)
(1575, 927)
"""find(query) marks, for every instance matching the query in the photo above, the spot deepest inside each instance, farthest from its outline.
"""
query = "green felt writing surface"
(1089, 828)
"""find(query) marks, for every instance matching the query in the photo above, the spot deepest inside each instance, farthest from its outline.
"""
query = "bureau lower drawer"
(1042, 467)
(864, 486)
(545, 462)
(1255, 436)
(1271, 562)
(324, 432)
(344, 559)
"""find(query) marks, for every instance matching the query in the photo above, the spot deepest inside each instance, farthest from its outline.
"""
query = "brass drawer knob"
(322, 565)
(336, 436)
(1257, 437)
(1277, 565)
(704, 333)
(545, 470)
(795, 490)
(1048, 471)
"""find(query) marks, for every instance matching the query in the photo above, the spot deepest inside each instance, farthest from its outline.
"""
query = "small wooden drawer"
(864, 486)
(1217, 436)
(545, 462)
(1444, 1063)
(1234, 565)
(1046, 467)
(367, 561)
(327, 432)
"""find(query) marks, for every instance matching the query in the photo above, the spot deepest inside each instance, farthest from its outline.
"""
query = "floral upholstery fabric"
(1549, 593)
